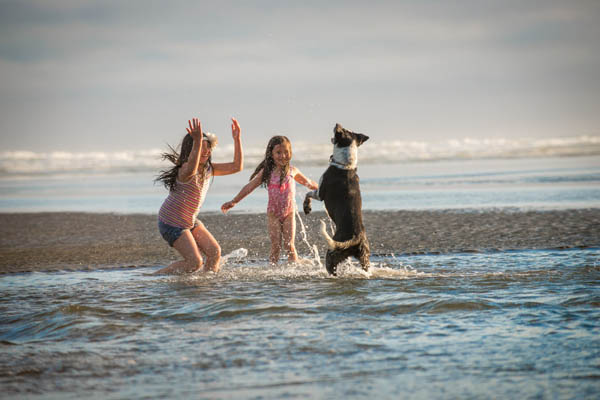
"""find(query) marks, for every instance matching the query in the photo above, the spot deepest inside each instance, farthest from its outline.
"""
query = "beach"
(79, 241)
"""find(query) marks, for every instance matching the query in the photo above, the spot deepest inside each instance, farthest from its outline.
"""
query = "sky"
(120, 75)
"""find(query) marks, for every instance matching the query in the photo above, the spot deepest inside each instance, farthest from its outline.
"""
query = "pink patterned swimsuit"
(281, 197)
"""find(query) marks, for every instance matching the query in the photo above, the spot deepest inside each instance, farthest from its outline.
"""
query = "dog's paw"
(307, 205)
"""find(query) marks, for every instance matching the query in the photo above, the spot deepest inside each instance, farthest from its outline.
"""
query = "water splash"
(235, 267)
(351, 269)
(237, 255)
(263, 271)
(315, 251)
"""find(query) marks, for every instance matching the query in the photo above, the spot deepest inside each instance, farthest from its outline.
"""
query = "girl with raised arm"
(188, 181)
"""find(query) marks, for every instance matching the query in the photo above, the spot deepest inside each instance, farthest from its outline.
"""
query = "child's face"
(205, 151)
(282, 153)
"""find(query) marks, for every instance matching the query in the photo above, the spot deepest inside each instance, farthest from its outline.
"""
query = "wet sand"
(63, 241)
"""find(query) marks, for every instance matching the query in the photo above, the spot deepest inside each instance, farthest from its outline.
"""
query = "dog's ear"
(338, 129)
(360, 138)
(339, 136)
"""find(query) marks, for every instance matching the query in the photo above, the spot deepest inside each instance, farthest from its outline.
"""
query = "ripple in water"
(507, 324)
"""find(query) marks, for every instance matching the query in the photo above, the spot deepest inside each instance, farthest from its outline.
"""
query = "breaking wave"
(58, 162)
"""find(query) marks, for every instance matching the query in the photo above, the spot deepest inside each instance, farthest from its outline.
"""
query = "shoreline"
(53, 241)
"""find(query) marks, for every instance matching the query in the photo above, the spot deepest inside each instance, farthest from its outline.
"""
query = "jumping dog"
(340, 190)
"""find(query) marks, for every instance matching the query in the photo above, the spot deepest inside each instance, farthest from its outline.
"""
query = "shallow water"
(522, 324)
(538, 183)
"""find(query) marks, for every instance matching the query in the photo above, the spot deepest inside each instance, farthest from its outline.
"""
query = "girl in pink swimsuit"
(279, 177)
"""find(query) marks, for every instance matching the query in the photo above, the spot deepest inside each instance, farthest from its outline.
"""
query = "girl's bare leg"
(192, 260)
(208, 246)
(275, 236)
(288, 230)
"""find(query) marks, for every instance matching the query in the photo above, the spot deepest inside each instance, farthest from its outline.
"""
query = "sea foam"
(307, 154)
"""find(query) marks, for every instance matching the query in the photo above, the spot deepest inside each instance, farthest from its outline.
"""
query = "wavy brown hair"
(168, 177)
(268, 164)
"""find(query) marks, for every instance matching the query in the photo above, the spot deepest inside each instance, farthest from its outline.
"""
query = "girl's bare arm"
(245, 191)
(303, 180)
(237, 164)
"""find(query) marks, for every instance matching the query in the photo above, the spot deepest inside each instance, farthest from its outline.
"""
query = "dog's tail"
(335, 245)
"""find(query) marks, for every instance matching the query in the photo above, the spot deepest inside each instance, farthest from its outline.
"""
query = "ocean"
(454, 174)
(500, 324)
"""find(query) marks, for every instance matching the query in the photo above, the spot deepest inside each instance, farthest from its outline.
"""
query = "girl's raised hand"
(195, 129)
(235, 129)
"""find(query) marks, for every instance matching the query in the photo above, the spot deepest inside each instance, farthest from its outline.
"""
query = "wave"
(57, 162)
(397, 151)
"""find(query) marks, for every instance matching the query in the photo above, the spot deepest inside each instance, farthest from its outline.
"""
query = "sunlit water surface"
(527, 184)
(483, 325)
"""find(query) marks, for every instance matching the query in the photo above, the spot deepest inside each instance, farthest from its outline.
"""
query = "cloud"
(446, 68)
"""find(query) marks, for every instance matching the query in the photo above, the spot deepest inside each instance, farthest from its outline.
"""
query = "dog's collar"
(340, 166)
(344, 157)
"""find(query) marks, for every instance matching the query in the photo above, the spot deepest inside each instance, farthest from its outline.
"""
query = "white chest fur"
(345, 157)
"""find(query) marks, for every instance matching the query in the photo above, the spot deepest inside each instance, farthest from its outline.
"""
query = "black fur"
(340, 190)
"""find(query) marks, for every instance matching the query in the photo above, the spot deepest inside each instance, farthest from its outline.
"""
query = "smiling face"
(282, 154)
(205, 151)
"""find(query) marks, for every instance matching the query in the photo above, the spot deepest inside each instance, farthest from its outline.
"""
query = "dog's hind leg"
(333, 258)
(363, 255)
(331, 262)
(364, 261)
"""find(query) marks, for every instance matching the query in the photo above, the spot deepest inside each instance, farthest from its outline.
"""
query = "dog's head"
(345, 144)
(344, 138)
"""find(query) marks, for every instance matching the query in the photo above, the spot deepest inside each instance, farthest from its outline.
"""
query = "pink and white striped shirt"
(181, 207)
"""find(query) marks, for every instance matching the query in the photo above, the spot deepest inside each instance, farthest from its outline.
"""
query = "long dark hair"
(168, 177)
(268, 164)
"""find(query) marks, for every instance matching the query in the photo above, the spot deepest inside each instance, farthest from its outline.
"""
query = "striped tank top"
(181, 207)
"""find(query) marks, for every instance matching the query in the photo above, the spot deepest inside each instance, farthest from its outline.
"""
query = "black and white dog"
(339, 189)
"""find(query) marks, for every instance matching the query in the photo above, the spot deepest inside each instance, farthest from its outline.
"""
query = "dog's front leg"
(314, 194)
(308, 199)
